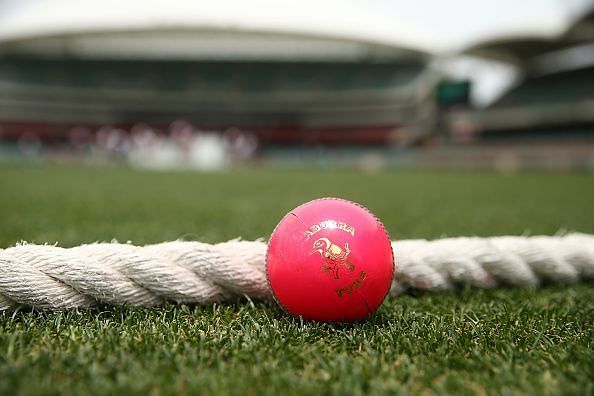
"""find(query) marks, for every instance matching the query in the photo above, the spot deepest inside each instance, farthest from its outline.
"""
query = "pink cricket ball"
(330, 260)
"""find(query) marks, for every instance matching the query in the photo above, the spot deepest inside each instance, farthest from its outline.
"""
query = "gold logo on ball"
(336, 257)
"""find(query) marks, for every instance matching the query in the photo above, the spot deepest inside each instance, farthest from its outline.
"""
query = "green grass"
(469, 342)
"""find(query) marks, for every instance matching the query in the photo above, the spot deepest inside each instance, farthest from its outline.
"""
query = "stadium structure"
(288, 78)
(545, 119)
(554, 95)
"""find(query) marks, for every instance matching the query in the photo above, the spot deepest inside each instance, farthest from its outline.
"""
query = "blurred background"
(493, 84)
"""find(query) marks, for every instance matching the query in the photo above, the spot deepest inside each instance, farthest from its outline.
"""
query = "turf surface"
(470, 342)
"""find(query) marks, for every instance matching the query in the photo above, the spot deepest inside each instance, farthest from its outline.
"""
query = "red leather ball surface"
(330, 260)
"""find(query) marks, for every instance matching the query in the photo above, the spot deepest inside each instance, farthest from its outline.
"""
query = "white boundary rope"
(51, 277)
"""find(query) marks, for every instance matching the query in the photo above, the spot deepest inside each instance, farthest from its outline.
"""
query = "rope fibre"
(51, 277)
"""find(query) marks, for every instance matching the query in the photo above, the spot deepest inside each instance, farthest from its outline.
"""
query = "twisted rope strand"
(50, 277)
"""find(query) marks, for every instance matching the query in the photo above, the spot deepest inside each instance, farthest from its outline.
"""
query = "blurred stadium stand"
(284, 85)
(295, 87)
(547, 117)
(555, 94)
(283, 102)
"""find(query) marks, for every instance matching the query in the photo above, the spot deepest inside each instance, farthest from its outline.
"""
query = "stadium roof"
(523, 48)
(221, 29)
